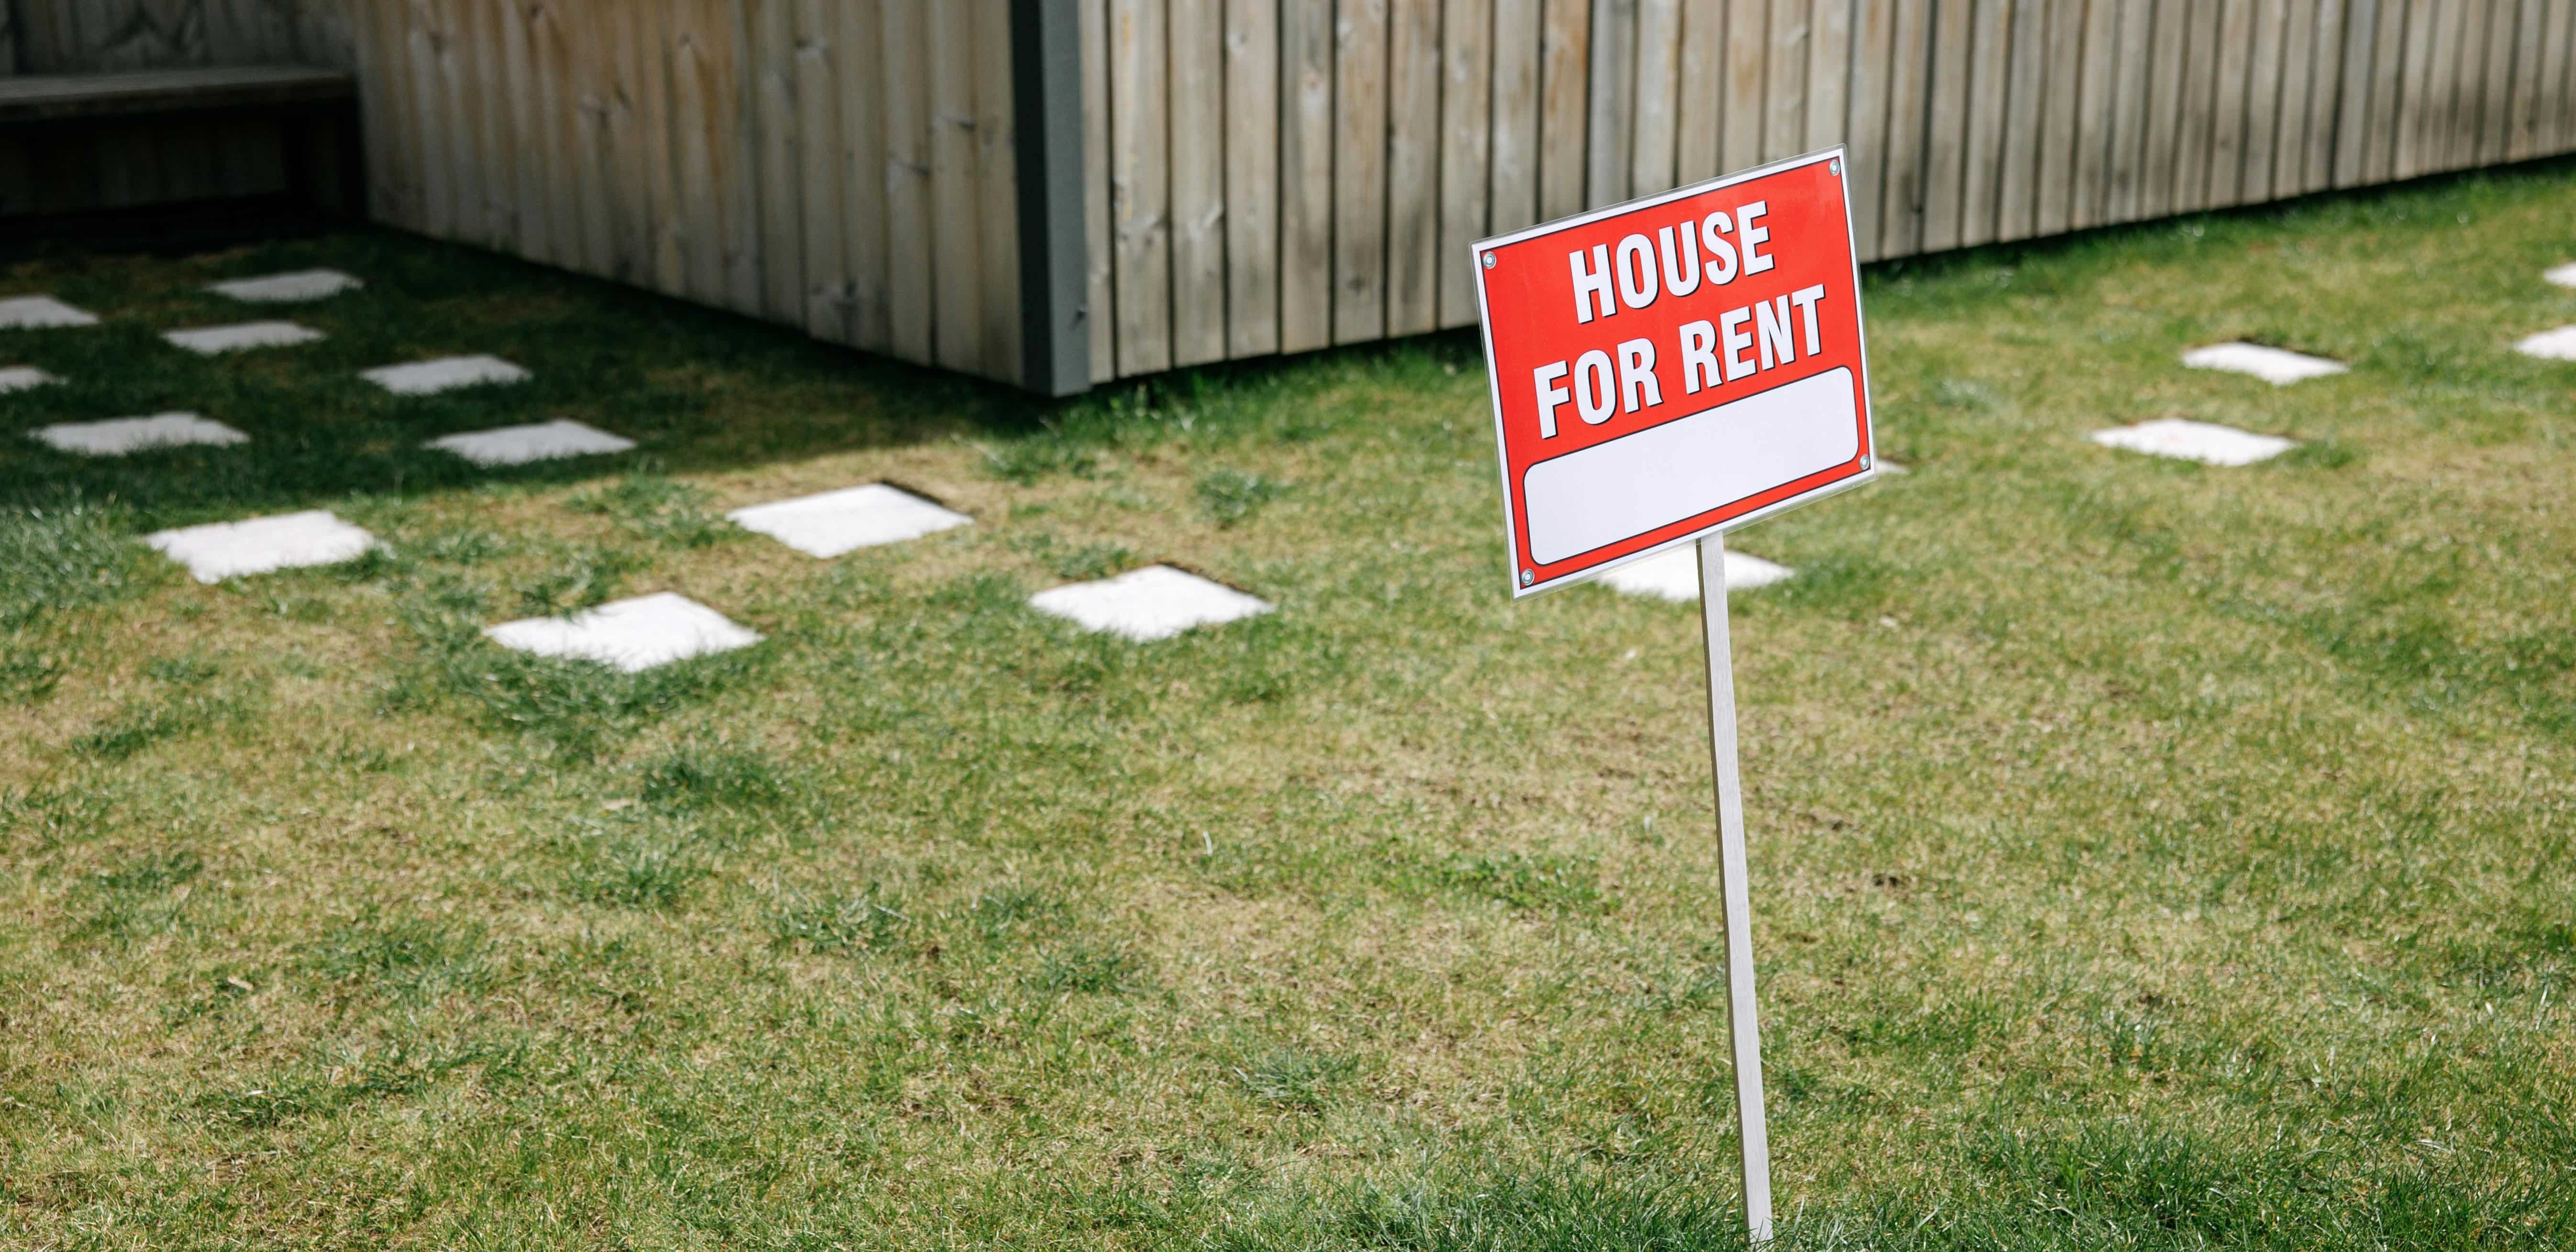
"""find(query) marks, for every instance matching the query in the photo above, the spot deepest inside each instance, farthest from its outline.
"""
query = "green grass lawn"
(2144, 855)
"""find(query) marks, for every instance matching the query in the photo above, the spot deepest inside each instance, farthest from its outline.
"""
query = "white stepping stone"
(2204, 442)
(631, 635)
(216, 340)
(2564, 275)
(421, 378)
(2277, 366)
(1674, 575)
(2550, 345)
(540, 441)
(262, 544)
(41, 313)
(835, 522)
(24, 378)
(289, 288)
(122, 435)
(1156, 602)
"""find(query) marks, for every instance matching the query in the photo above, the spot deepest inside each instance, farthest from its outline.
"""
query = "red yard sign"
(1676, 365)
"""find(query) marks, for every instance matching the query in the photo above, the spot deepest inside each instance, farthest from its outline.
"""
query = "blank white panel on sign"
(539, 441)
(421, 378)
(631, 635)
(214, 340)
(835, 522)
(2550, 345)
(41, 313)
(289, 288)
(121, 435)
(288, 541)
(1156, 602)
(2204, 442)
(2277, 366)
(1674, 574)
(1669, 473)
(23, 378)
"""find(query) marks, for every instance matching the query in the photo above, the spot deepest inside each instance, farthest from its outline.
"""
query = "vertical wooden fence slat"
(780, 181)
(1945, 158)
(2227, 115)
(912, 300)
(432, 132)
(2557, 36)
(495, 174)
(2387, 75)
(2262, 101)
(2495, 116)
(1908, 95)
(1654, 157)
(956, 189)
(1517, 38)
(2298, 60)
(669, 240)
(1140, 184)
(2325, 93)
(1196, 55)
(2352, 108)
(1251, 178)
(622, 94)
(1866, 177)
(2522, 136)
(997, 172)
(1699, 71)
(2090, 204)
(2406, 158)
(1099, 213)
(2027, 109)
(820, 64)
(1611, 116)
(1784, 87)
(2061, 88)
(2193, 114)
(1466, 115)
(862, 171)
(1413, 145)
(1989, 83)
(1565, 77)
(1829, 50)
(1359, 171)
(1748, 48)
(2163, 118)
(2469, 87)
(1306, 175)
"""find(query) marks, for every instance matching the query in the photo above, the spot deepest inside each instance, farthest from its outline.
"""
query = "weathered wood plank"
(997, 157)
(2325, 94)
(1829, 53)
(912, 300)
(2262, 100)
(1251, 178)
(2387, 73)
(1359, 171)
(2089, 203)
(1413, 143)
(2061, 96)
(1865, 179)
(1101, 259)
(863, 171)
(1518, 36)
(1989, 103)
(1908, 96)
(1466, 116)
(1748, 61)
(2193, 121)
(1700, 71)
(1565, 77)
(2495, 113)
(2298, 61)
(1654, 157)
(2164, 106)
(1306, 175)
(1196, 57)
(1612, 114)
(2025, 115)
(821, 180)
(779, 153)
(1784, 73)
(1140, 183)
(2352, 106)
(2228, 115)
(1945, 156)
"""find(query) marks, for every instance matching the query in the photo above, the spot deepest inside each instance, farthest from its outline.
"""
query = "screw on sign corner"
(1489, 260)
(1528, 577)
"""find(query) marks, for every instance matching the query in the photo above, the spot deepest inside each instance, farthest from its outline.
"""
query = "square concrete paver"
(121, 435)
(421, 378)
(2550, 345)
(23, 378)
(294, 287)
(2277, 366)
(1674, 575)
(2204, 442)
(1156, 602)
(288, 541)
(41, 313)
(2564, 275)
(540, 441)
(631, 635)
(215, 340)
(835, 522)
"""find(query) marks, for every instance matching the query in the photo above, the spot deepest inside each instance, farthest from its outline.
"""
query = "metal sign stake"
(1744, 1031)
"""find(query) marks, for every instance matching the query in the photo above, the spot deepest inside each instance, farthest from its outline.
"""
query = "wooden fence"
(1247, 177)
(1278, 175)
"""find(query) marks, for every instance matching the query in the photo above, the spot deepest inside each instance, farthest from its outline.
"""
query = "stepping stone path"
(2550, 345)
(1156, 602)
(2564, 275)
(631, 635)
(521, 445)
(41, 313)
(2204, 442)
(216, 340)
(291, 288)
(835, 522)
(2277, 366)
(23, 378)
(1674, 575)
(262, 544)
(123, 435)
(421, 378)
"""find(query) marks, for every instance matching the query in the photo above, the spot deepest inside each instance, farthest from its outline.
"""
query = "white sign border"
(1494, 380)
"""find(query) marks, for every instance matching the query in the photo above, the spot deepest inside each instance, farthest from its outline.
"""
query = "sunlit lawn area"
(2145, 855)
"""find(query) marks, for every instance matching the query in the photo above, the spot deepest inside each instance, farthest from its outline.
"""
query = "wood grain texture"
(1654, 155)
(1306, 175)
(1945, 156)
(998, 257)
(1991, 110)
(1413, 144)
(1518, 36)
(1611, 114)
(1565, 79)
(2192, 124)
(2228, 114)
(1700, 71)
(2262, 100)
(1251, 178)
(862, 173)
(2060, 86)
(1196, 56)
(1866, 179)
(1359, 170)
(1466, 142)
(1140, 184)
(1100, 312)
(1909, 69)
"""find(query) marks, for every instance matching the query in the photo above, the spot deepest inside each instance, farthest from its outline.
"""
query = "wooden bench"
(56, 122)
